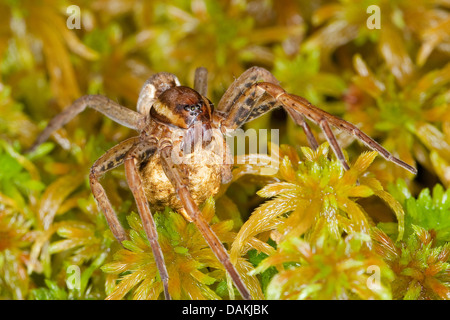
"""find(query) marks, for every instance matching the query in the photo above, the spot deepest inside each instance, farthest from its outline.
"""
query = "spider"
(167, 119)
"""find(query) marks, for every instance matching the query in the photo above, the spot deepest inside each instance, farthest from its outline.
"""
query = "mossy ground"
(312, 231)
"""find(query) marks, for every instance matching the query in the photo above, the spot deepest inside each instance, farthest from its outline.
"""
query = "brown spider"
(166, 118)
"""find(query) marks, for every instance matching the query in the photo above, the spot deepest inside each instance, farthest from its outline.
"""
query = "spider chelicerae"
(171, 117)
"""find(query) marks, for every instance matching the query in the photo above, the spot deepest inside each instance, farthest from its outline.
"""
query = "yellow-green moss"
(392, 82)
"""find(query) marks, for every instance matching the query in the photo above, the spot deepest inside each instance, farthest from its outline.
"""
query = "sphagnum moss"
(392, 82)
(327, 269)
(193, 269)
(317, 193)
(421, 267)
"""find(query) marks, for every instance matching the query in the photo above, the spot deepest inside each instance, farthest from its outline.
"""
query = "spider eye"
(192, 107)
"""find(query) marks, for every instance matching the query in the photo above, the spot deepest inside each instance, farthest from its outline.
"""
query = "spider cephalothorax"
(166, 165)
(182, 107)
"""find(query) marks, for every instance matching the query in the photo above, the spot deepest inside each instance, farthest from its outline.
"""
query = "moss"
(392, 82)
(191, 264)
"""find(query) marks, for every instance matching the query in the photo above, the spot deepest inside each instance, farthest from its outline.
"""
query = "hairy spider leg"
(241, 84)
(245, 101)
(323, 118)
(139, 153)
(152, 88)
(201, 81)
(113, 158)
(120, 114)
(196, 216)
(252, 103)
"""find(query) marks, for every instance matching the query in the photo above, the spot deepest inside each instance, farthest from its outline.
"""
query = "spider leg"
(246, 99)
(241, 84)
(195, 215)
(111, 109)
(300, 120)
(254, 102)
(322, 118)
(140, 152)
(331, 138)
(201, 81)
(153, 88)
(113, 158)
